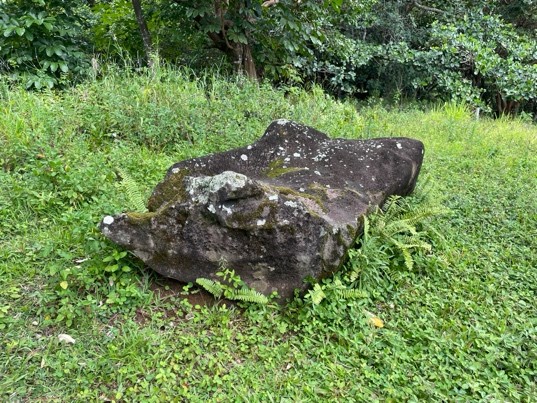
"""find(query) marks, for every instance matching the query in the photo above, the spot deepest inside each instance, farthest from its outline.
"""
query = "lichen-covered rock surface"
(280, 210)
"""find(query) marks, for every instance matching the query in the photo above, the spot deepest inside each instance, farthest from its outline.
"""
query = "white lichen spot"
(227, 210)
(302, 190)
(296, 155)
(108, 220)
(244, 157)
(201, 187)
(319, 157)
(249, 147)
(399, 146)
(282, 122)
(317, 173)
(261, 222)
(211, 209)
(175, 170)
(290, 203)
(379, 146)
(285, 222)
(273, 197)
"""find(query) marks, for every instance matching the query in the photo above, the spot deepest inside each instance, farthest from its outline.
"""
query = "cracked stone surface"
(282, 209)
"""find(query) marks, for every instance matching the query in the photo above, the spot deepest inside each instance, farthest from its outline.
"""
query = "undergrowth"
(232, 287)
(436, 302)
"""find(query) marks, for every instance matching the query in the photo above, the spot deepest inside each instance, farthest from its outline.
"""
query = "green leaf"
(112, 268)
(8, 31)
(241, 38)
(20, 31)
(58, 50)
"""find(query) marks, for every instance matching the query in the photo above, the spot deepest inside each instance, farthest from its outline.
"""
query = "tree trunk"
(146, 36)
(243, 60)
(240, 54)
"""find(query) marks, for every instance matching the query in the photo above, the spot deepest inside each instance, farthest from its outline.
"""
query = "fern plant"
(232, 287)
(395, 235)
(392, 238)
(132, 191)
(333, 289)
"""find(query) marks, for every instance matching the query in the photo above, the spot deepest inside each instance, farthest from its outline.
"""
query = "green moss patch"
(276, 169)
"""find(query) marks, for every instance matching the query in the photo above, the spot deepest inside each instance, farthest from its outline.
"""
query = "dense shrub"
(42, 43)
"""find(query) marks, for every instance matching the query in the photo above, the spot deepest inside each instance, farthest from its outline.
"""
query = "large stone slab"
(278, 211)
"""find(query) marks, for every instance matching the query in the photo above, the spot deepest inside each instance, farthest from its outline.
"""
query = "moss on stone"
(245, 219)
(292, 192)
(348, 189)
(171, 190)
(140, 218)
(276, 169)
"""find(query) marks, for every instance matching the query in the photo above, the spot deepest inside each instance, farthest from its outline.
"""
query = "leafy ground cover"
(459, 323)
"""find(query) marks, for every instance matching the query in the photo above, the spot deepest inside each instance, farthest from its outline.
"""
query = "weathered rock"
(279, 210)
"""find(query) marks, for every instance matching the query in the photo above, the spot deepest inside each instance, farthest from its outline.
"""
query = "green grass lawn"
(461, 324)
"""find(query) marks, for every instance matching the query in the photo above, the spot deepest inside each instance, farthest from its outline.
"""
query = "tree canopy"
(480, 52)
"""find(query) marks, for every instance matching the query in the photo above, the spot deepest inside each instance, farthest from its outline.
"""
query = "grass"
(460, 324)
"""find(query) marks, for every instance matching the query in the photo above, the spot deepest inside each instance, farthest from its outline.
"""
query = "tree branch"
(430, 9)
(269, 3)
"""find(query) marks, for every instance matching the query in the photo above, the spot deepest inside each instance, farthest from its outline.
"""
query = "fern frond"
(409, 261)
(213, 287)
(132, 191)
(247, 295)
(317, 294)
(398, 227)
(411, 242)
(420, 214)
(351, 293)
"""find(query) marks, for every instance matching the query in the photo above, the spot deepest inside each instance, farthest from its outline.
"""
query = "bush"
(42, 42)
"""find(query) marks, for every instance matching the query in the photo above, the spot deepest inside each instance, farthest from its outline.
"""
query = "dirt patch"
(164, 288)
